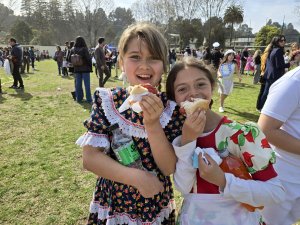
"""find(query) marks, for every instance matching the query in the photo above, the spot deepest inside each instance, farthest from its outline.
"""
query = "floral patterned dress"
(117, 203)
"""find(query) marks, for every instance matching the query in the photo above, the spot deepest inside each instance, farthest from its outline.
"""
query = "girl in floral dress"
(125, 195)
(210, 195)
(225, 77)
(250, 65)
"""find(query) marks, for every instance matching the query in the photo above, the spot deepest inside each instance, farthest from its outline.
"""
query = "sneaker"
(13, 86)
(221, 109)
(21, 87)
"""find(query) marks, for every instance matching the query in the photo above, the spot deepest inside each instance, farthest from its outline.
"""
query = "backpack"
(76, 60)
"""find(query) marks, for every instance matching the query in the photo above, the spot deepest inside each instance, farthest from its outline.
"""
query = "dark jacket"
(16, 53)
(87, 60)
(257, 60)
(100, 56)
(59, 56)
(216, 57)
(244, 55)
(275, 66)
(31, 54)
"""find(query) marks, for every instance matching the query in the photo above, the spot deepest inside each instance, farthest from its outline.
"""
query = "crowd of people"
(165, 140)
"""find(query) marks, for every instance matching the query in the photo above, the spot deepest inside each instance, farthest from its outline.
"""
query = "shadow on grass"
(24, 96)
(68, 77)
(248, 116)
(2, 99)
(24, 75)
(242, 85)
(86, 105)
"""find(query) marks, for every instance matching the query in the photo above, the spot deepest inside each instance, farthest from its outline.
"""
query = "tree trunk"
(231, 31)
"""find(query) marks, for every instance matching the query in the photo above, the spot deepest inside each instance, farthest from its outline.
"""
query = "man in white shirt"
(280, 121)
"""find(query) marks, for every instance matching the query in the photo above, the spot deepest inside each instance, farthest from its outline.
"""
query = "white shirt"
(283, 104)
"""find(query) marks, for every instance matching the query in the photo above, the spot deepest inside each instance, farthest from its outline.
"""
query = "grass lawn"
(42, 179)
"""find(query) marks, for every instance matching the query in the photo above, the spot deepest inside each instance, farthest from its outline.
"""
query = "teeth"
(144, 75)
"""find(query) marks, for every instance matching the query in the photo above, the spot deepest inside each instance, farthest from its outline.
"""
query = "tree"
(187, 9)
(156, 11)
(119, 19)
(244, 31)
(233, 15)
(27, 8)
(22, 32)
(265, 35)
(189, 30)
(4, 13)
(216, 30)
(213, 8)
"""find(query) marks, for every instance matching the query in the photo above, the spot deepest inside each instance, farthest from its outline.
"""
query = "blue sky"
(257, 12)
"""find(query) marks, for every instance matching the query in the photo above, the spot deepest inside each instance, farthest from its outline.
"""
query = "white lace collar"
(128, 127)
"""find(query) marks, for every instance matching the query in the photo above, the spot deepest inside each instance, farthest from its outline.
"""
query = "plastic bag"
(6, 66)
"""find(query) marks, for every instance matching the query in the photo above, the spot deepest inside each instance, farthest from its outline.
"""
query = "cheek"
(179, 98)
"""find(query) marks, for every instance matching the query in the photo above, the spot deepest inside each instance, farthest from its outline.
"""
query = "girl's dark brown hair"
(186, 62)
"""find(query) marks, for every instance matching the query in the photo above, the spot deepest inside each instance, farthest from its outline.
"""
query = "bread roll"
(196, 103)
(138, 89)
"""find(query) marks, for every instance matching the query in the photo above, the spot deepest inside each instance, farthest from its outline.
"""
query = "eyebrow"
(134, 51)
(199, 79)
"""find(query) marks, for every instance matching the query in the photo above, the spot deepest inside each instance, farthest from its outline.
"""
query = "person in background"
(295, 57)
(244, 56)
(280, 122)
(199, 53)
(275, 66)
(16, 59)
(212, 196)
(108, 58)
(187, 52)
(82, 73)
(294, 47)
(26, 61)
(172, 58)
(207, 56)
(65, 66)
(58, 57)
(216, 56)
(32, 57)
(238, 59)
(1, 56)
(67, 47)
(257, 63)
(250, 65)
(225, 73)
(101, 63)
(70, 66)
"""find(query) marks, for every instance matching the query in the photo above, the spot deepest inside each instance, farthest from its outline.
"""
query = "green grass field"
(42, 178)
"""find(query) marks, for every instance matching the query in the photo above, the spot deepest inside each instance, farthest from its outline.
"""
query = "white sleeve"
(185, 174)
(254, 192)
(282, 101)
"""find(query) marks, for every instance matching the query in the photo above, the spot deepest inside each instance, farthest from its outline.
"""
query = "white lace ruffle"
(128, 127)
(93, 139)
(123, 218)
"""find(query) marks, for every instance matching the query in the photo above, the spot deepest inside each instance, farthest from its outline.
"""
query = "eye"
(135, 57)
(182, 89)
(200, 84)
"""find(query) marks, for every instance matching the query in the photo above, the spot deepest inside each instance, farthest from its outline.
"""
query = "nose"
(193, 93)
(144, 64)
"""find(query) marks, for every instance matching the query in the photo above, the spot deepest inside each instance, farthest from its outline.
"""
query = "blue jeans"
(59, 66)
(86, 79)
